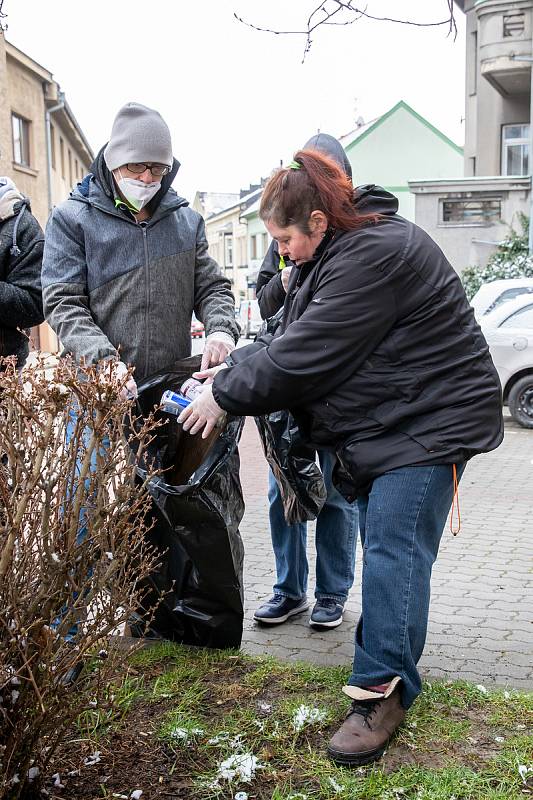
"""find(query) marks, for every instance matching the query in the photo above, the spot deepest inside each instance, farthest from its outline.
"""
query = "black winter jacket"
(21, 254)
(269, 289)
(378, 356)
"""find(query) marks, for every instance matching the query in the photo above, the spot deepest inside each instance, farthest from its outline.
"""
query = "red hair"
(318, 184)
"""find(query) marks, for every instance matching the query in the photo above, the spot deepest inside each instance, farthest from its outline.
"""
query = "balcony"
(504, 33)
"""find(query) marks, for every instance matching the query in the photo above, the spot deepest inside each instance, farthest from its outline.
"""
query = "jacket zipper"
(146, 296)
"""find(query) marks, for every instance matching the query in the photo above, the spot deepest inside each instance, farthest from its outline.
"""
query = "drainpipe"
(530, 154)
(48, 114)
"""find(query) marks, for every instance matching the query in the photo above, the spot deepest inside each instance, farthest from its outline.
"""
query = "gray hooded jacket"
(114, 287)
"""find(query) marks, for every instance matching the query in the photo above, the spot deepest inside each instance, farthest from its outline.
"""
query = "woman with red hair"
(381, 361)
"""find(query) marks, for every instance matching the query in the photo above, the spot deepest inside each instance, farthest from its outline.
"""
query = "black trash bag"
(197, 589)
(293, 462)
(291, 459)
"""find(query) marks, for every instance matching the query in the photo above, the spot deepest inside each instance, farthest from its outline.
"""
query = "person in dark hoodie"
(381, 361)
(126, 262)
(21, 254)
(337, 523)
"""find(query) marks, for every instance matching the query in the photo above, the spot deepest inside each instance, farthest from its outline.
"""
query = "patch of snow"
(32, 773)
(57, 781)
(240, 766)
(241, 796)
(481, 688)
(136, 795)
(523, 771)
(304, 715)
(56, 558)
(499, 739)
(90, 761)
(337, 788)
(14, 696)
(110, 556)
(266, 708)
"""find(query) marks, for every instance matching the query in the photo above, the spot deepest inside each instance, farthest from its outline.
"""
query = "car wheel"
(520, 401)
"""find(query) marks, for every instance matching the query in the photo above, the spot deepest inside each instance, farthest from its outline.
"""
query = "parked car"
(508, 330)
(197, 328)
(490, 295)
(249, 318)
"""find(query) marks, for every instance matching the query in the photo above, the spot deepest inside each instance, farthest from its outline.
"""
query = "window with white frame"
(21, 140)
(515, 150)
(228, 251)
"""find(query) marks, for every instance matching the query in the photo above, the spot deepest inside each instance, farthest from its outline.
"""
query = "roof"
(245, 202)
(358, 134)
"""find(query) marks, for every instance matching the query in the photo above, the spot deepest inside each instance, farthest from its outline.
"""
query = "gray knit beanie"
(139, 134)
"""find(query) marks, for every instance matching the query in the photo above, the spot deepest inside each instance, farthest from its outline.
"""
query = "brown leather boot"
(364, 734)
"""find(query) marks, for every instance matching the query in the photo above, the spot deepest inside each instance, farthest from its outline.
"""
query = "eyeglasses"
(157, 170)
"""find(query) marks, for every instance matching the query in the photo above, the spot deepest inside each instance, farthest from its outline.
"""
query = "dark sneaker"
(327, 613)
(279, 608)
(366, 731)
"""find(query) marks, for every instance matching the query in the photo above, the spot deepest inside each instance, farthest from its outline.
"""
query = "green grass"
(205, 708)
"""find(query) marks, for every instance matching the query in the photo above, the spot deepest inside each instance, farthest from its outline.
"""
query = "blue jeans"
(81, 533)
(401, 520)
(336, 531)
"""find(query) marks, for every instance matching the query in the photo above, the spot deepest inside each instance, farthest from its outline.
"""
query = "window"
(228, 251)
(253, 242)
(70, 168)
(476, 211)
(62, 155)
(265, 242)
(53, 145)
(520, 319)
(513, 24)
(515, 150)
(21, 140)
(76, 170)
(509, 294)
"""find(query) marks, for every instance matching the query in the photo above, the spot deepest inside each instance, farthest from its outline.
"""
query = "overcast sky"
(237, 100)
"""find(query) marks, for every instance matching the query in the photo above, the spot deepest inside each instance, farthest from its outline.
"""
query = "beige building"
(42, 147)
(226, 232)
(469, 216)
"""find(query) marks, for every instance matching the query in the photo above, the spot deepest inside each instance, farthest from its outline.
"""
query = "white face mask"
(137, 193)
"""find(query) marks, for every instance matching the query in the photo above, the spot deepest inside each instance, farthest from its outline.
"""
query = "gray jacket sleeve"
(214, 303)
(65, 292)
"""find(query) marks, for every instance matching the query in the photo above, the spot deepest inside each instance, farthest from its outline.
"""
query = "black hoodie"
(378, 356)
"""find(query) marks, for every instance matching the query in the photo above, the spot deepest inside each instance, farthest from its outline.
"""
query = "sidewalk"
(481, 620)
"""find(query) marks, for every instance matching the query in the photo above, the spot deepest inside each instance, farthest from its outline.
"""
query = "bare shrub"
(72, 555)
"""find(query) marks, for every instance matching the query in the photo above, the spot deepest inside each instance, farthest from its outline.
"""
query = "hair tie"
(295, 165)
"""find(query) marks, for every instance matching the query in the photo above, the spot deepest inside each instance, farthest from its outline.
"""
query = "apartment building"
(42, 147)
(470, 215)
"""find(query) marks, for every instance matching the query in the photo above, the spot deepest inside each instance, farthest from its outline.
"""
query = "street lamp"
(529, 59)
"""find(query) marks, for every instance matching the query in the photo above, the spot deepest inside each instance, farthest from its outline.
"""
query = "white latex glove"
(208, 374)
(218, 346)
(119, 375)
(285, 275)
(204, 412)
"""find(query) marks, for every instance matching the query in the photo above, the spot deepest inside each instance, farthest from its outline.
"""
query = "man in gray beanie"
(125, 260)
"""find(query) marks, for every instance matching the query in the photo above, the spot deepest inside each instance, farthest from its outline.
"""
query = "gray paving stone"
(482, 591)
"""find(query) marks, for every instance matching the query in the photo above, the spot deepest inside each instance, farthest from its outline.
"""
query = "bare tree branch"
(3, 15)
(327, 9)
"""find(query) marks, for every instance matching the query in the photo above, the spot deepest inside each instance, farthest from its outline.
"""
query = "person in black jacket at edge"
(337, 523)
(21, 255)
(380, 359)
